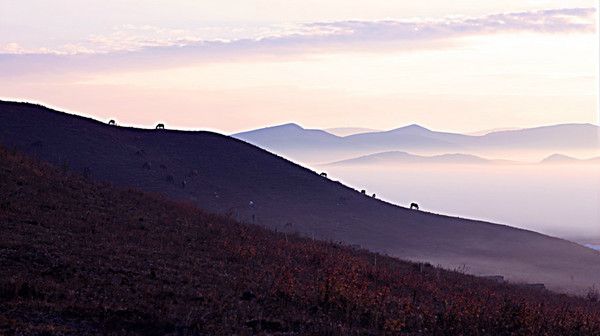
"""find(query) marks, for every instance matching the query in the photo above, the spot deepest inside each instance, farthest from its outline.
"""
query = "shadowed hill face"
(82, 258)
(226, 175)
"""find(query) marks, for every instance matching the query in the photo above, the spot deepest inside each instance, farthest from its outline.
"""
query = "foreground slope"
(82, 258)
(229, 176)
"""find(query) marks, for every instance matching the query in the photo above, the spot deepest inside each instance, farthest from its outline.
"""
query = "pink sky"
(235, 65)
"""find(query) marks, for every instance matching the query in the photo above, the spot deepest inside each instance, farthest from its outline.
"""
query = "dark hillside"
(81, 258)
(227, 176)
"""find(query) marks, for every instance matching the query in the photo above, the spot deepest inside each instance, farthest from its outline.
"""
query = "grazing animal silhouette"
(363, 191)
(160, 126)
(112, 122)
(324, 174)
(414, 206)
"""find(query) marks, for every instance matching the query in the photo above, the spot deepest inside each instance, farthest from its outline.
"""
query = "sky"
(229, 66)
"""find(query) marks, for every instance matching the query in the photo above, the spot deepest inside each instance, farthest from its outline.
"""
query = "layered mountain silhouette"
(305, 145)
(396, 157)
(565, 159)
(309, 145)
(488, 131)
(295, 142)
(225, 175)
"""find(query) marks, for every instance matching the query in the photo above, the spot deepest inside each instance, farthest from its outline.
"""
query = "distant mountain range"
(346, 131)
(493, 130)
(396, 157)
(318, 146)
(564, 159)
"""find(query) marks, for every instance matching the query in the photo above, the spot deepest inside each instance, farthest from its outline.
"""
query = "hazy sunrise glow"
(211, 68)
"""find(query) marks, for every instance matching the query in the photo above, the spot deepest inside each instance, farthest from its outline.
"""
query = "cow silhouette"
(324, 174)
(414, 206)
(112, 122)
(160, 126)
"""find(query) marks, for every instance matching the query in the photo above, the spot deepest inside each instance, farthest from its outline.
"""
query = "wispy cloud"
(543, 21)
(143, 45)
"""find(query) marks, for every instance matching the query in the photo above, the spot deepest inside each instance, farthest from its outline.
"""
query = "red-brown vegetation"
(78, 257)
(227, 176)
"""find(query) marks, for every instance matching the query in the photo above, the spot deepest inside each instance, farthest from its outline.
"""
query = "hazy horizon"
(561, 201)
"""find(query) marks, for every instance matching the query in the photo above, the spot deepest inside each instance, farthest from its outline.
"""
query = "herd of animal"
(114, 123)
(161, 126)
(413, 205)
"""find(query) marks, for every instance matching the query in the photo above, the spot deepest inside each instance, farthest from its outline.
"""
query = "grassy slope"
(79, 257)
(223, 174)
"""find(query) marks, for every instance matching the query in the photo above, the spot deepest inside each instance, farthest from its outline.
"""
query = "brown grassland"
(79, 257)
